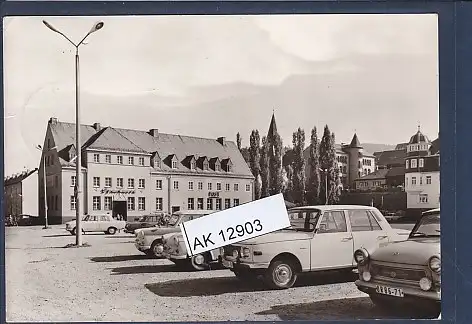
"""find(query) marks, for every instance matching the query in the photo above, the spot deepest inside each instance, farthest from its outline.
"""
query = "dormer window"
(217, 166)
(174, 164)
(205, 165)
(192, 165)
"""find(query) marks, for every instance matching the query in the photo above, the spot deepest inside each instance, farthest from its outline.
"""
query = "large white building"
(132, 172)
(422, 173)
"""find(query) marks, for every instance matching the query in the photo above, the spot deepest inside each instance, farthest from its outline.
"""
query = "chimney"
(97, 126)
(154, 132)
(53, 120)
(222, 140)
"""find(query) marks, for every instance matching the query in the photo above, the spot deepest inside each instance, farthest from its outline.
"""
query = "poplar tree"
(264, 169)
(314, 178)
(255, 160)
(299, 167)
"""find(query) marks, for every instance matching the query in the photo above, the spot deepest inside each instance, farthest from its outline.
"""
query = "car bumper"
(370, 288)
(142, 248)
(233, 263)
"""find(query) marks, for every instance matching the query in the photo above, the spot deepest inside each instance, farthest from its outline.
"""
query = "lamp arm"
(83, 39)
(60, 33)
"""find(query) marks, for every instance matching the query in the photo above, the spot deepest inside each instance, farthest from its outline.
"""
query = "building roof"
(418, 138)
(355, 143)
(137, 141)
(18, 177)
(401, 146)
(396, 172)
(272, 133)
(434, 149)
(388, 158)
(378, 174)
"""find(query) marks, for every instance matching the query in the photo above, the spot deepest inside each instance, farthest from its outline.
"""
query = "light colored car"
(97, 223)
(149, 240)
(176, 251)
(405, 272)
(320, 238)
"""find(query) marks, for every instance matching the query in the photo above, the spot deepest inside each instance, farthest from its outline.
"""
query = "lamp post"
(39, 147)
(77, 189)
(326, 184)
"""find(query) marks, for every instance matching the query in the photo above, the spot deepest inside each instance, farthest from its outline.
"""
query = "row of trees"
(279, 169)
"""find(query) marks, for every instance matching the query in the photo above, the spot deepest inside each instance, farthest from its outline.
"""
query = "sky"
(212, 76)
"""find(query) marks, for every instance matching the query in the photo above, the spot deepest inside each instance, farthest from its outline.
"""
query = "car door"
(103, 223)
(91, 224)
(366, 231)
(332, 244)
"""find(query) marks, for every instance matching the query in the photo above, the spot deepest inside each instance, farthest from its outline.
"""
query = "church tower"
(355, 153)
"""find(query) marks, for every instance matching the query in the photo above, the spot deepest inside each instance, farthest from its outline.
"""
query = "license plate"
(396, 292)
(227, 264)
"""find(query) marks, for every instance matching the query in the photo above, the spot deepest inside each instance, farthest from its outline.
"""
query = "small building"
(382, 179)
(21, 194)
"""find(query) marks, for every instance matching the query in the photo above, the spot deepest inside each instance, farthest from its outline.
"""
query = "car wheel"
(199, 262)
(281, 274)
(111, 231)
(157, 248)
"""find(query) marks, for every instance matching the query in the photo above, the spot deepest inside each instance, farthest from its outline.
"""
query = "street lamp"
(40, 148)
(326, 184)
(77, 189)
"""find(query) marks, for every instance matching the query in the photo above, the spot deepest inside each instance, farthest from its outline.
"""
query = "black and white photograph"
(120, 129)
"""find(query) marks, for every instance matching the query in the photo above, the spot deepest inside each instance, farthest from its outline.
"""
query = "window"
(191, 204)
(209, 204)
(158, 203)
(200, 203)
(210, 186)
(205, 165)
(119, 182)
(428, 179)
(190, 185)
(96, 202)
(174, 164)
(217, 167)
(228, 186)
(248, 187)
(176, 185)
(158, 163)
(158, 184)
(73, 203)
(56, 205)
(227, 203)
(218, 186)
(131, 160)
(362, 220)
(413, 163)
(407, 164)
(413, 181)
(96, 182)
(108, 158)
(236, 187)
(108, 202)
(333, 222)
(131, 183)
(119, 159)
(421, 180)
(141, 203)
(192, 165)
(141, 161)
(141, 183)
(200, 185)
(235, 202)
(108, 182)
(218, 203)
(73, 181)
(421, 163)
(130, 203)
(96, 158)
(104, 218)
(423, 198)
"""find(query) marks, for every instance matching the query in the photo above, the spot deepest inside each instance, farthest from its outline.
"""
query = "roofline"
(197, 173)
(117, 151)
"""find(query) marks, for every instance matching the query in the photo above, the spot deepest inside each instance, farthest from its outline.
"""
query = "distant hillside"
(372, 148)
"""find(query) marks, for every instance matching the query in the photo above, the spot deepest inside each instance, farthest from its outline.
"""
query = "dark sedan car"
(144, 222)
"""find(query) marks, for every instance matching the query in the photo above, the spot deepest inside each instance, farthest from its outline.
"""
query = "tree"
(275, 164)
(289, 185)
(335, 180)
(245, 154)
(255, 159)
(314, 179)
(238, 141)
(264, 171)
(298, 167)
(328, 164)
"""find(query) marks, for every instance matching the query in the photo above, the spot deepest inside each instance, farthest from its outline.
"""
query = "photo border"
(455, 73)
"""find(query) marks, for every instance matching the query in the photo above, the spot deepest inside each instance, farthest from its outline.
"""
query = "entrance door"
(175, 209)
(120, 208)
(332, 246)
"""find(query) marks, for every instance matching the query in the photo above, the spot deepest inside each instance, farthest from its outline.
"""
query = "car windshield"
(303, 220)
(429, 225)
(86, 218)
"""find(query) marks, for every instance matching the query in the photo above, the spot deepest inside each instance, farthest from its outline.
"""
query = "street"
(111, 281)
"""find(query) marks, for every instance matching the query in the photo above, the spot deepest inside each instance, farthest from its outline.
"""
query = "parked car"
(407, 271)
(97, 223)
(149, 240)
(176, 251)
(320, 238)
(145, 221)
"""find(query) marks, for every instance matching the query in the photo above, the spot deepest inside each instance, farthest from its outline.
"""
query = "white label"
(236, 224)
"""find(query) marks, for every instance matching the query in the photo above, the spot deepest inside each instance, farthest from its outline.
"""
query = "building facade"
(132, 173)
(422, 173)
(21, 194)
(352, 162)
